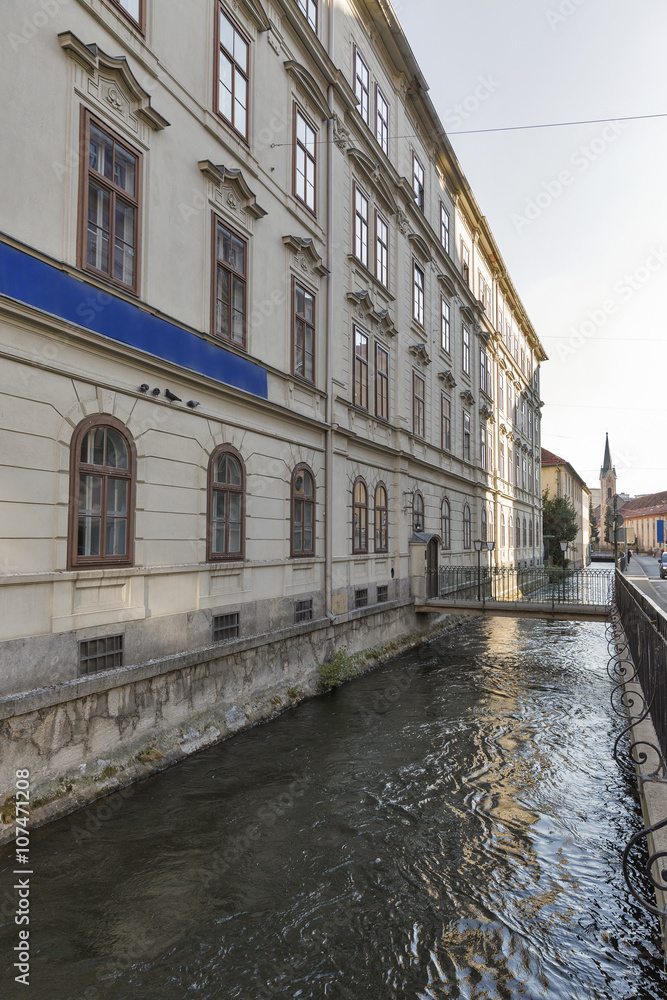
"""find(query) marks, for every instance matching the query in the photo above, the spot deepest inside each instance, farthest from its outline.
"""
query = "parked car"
(663, 566)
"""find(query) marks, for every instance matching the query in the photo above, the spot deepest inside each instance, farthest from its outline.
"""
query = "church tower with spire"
(607, 476)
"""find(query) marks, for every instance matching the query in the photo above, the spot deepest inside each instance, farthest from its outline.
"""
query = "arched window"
(530, 532)
(417, 511)
(102, 469)
(302, 527)
(518, 532)
(381, 519)
(484, 524)
(502, 531)
(510, 533)
(226, 505)
(359, 517)
(446, 525)
(525, 535)
(466, 527)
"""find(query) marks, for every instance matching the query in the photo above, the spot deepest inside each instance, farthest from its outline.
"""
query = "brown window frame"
(445, 325)
(364, 89)
(445, 222)
(87, 174)
(418, 187)
(105, 472)
(360, 509)
(140, 25)
(467, 527)
(298, 112)
(482, 447)
(234, 273)
(465, 350)
(418, 294)
(296, 283)
(465, 263)
(381, 125)
(381, 383)
(418, 405)
(220, 8)
(360, 371)
(381, 531)
(308, 4)
(467, 436)
(446, 523)
(361, 224)
(381, 251)
(212, 487)
(445, 423)
(305, 502)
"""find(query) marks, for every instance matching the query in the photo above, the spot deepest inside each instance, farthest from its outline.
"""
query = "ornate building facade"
(256, 333)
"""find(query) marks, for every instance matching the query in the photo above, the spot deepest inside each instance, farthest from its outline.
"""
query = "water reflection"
(450, 826)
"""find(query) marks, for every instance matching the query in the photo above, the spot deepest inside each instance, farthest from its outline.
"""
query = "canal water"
(448, 826)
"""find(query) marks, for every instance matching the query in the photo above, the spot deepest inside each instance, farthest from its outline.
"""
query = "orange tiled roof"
(648, 505)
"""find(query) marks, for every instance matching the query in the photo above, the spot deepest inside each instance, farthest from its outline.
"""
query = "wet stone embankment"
(450, 825)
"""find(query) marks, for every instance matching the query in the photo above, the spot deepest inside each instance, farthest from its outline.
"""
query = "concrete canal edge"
(97, 735)
(652, 793)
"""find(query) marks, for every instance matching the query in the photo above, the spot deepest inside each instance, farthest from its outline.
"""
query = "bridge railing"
(539, 584)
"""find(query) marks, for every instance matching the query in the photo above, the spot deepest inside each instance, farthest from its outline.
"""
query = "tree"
(560, 522)
(609, 523)
(595, 533)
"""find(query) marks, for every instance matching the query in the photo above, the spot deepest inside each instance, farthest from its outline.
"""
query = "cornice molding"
(373, 172)
(301, 245)
(447, 378)
(364, 302)
(419, 352)
(420, 246)
(234, 179)
(255, 11)
(309, 86)
(93, 59)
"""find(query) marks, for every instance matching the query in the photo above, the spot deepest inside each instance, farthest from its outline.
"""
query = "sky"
(579, 212)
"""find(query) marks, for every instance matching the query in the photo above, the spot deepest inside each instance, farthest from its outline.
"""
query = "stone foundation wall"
(91, 736)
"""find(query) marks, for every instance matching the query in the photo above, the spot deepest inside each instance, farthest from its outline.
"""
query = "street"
(643, 571)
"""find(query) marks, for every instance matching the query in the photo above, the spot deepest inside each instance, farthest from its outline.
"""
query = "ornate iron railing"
(542, 585)
(637, 637)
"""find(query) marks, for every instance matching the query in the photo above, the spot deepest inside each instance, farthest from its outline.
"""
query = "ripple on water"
(449, 826)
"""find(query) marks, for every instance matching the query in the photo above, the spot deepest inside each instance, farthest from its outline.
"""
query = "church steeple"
(606, 464)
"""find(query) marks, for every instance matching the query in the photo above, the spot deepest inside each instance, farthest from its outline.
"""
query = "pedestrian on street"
(629, 556)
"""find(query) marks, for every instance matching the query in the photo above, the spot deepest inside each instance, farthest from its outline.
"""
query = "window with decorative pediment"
(418, 414)
(305, 160)
(381, 250)
(110, 205)
(444, 227)
(230, 253)
(418, 181)
(445, 327)
(303, 332)
(417, 293)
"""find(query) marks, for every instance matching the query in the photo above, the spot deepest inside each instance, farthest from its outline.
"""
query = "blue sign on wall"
(661, 531)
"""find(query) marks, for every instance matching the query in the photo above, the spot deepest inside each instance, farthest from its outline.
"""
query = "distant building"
(562, 480)
(641, 520)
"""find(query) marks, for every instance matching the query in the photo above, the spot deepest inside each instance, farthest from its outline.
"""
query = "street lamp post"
(478, 549)
(563, 548)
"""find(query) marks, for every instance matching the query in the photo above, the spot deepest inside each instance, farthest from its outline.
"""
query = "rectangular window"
(418, 182)
(229, 284)
(382, 120)
(303, 610)
(482, 441)
(362, 86)
(530, 426)
(465, 263)
(109, 225)
(381, 250)
(418, 293)
(446, 410)
(465, 357)
(510, 401)
(303, 332)
(361, 597)
(501, 461)
(501, 392)
(383, 593)
(417, 405)
(466, 436)
(134, 10)
(381, 382)
(509, 465)
(305, 165)
(523, 473)
(360, 369)
(444, 227)
(225, 627)
(233, 74)
(309, 8)
(482, 370)
(445, 325)
(104, 653)
(360, 226)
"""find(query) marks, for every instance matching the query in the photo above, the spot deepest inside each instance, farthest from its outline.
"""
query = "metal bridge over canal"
(539, 592)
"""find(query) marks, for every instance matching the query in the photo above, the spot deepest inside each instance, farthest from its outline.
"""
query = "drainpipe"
(329, 449)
